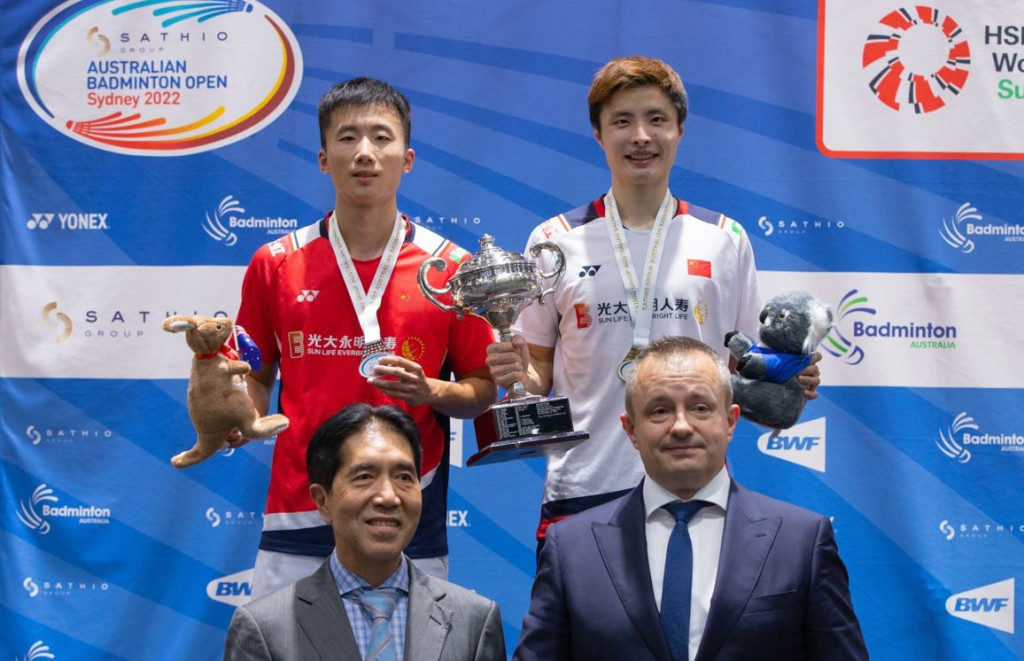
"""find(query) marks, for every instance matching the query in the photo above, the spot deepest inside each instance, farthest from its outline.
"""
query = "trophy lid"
(490, 256)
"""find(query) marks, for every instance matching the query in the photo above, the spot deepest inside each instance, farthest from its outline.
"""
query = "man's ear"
(410, 158)
(321, 159)
(319, 496)
(627, 425)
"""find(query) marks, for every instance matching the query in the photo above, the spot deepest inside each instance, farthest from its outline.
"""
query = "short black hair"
(363, 92)
(323, 456)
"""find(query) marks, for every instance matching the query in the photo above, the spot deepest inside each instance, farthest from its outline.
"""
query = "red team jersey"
(297, 309)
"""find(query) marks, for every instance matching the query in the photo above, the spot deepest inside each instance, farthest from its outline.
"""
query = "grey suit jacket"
(307, 621)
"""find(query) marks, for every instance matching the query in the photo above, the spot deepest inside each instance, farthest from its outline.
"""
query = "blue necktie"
(380, 604)
(677, 586)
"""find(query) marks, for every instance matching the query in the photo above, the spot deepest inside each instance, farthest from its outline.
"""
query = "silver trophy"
(497, 285)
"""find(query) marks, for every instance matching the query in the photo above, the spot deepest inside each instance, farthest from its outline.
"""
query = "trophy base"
(527, 446)
(524, 427)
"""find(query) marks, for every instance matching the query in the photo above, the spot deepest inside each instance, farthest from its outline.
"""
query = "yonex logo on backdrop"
(37, 651)
(918, 59)
(458, 519)
(220, 224)
(961, 231)
(233, 589)
(802, 444)
(68, 221)
(36, 511)
(957, 440)
(989, 605)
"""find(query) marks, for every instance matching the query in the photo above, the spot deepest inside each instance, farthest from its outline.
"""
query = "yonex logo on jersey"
(583, 318)
(296, 344)
(307, 295)
(589, 270)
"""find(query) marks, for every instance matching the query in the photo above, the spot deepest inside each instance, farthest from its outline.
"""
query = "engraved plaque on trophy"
(496, 285)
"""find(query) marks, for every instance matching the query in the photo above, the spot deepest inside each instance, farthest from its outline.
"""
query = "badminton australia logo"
(917, 59)
(961, 230)
(37, 511)
(963, 434)
(37, 651)
(839, 344)
(222, 223)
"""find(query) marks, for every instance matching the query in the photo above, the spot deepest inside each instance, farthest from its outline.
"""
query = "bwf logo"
(990, 605)
(802, 444)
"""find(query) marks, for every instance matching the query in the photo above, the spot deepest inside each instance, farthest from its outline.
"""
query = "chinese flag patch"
(699, 267)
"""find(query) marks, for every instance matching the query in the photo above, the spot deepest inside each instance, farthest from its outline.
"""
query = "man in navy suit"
(767, 582)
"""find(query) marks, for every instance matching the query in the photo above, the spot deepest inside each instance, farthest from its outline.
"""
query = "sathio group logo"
(109, 322)
(956, 440)
(979, 529)
(36, 511)
(220, 225)
(64, 435)
(60, 587)
(960, 231)
(917, 60)
(784, 226)
(159, 77)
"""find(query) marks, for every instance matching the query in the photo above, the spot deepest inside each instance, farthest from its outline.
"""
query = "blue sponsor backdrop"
(121, 566)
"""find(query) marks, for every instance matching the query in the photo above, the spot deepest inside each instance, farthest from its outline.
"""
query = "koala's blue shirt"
(781, 366)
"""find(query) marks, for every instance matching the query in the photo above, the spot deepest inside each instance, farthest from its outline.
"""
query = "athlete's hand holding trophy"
(496, 285)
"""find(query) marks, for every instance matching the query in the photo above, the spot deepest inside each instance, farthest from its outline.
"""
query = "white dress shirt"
(705, 528)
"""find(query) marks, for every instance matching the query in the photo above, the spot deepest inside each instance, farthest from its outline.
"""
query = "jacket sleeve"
(833, 632)
(546, 631)
(245, 639)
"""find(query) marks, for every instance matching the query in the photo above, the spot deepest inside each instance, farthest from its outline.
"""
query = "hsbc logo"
(990, 605)
(234, 589)
(802, 444)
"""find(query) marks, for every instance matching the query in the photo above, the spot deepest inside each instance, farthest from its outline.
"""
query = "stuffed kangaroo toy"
(218, 401)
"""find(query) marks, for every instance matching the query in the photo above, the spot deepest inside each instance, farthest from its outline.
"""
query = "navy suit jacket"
(782, 592)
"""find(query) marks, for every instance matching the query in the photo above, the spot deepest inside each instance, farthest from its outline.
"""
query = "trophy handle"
(557, 271)
(430, 292)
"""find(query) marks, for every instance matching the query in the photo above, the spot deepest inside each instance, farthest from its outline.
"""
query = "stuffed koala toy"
(218, 401)
(765, 386)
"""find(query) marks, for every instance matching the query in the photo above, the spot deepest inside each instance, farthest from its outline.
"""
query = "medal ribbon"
(367, 303)
(639, 296)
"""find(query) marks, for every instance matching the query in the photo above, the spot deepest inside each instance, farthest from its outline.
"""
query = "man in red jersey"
(336, 309)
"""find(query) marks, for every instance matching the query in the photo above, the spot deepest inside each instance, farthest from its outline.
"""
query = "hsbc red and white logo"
(938, 80)
(919, 58)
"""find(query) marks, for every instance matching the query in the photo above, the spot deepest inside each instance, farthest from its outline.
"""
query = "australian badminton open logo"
(918, 59)
(159, 77)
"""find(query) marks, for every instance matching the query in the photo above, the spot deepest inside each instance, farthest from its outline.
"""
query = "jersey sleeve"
(257, 297)
(748, 297)
(539, 323)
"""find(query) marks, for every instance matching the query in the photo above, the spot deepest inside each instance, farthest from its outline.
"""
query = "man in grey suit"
(367, 601)
(689, 566)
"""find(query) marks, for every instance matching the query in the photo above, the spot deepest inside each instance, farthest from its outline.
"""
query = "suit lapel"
(622, 543)
(429, 622)
(746, 540)
(321, 614)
